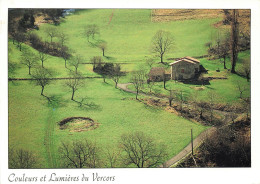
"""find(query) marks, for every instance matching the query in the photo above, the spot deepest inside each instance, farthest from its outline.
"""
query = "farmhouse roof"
(157, 71)
(186, 59)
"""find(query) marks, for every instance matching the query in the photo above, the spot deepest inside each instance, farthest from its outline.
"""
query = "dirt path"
(111, 16)
(187, 150)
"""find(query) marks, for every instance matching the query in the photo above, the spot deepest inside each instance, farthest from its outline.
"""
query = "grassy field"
(33, 119)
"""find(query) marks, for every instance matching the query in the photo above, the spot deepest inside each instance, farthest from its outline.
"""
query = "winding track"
(187, 150)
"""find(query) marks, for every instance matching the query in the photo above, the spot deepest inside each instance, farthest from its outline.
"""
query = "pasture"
(33, 119)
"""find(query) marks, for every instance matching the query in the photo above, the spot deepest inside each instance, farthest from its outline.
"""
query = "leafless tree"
(80, 154)
(65, 54)
(42, 77)
(224, 50)
(150, 84)
(75, 61)
(241, 88)
(138, 80)
(198, 104)
(170, 97)
(22, 159)
(51, 32)
(245, 69)
(162, 42)
(42, 57)
(180, 97)
(20, 38)
(150, 62)
(74, 82)
(91, 30)
(141, 150)
(212, 99)
(29, 59)
(62, 37)
(115, 74)
(112, 158)
(103, 47)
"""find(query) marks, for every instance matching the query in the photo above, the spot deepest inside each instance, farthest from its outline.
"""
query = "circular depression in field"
(78, 124)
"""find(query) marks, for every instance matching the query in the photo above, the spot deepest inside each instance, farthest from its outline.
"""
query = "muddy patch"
(78, 124)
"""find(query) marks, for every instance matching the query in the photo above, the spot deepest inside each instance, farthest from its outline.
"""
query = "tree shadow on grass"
(110, 58)
(87, 105)
(55, 101)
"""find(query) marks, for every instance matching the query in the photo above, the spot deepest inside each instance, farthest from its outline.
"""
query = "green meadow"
(33, 119)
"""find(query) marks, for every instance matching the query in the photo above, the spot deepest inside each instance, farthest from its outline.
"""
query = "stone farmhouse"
(185, 68)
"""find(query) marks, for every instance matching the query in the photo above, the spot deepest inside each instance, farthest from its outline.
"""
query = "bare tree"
(22, 159)
(62, 38)
(91, 30)
(74, 82)
(75, 61)
(20, 38)
(150, 62)
(65, 54)
(141, 150)
(51, 32)
(138, 80)
(180, 97)
(112, 158)
(241, 88)
(80, 154)
(212, 98)
(42, 57)
(162, 42)
(245, 69)
(170, 97)
(234, 39)
(150, 84)
(29, 59)
(224, 50)
(198, 104)
(103, 47)
(42, 77)
(115, 74)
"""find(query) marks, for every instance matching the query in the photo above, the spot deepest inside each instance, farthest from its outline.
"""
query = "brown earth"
(78, 124)
(165, 15)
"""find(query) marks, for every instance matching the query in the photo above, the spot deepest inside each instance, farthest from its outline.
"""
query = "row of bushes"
(53, 48)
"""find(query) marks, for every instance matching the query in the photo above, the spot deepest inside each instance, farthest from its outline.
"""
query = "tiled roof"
(186, 59)
(157, 71)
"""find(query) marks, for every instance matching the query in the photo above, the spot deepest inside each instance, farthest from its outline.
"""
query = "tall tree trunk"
(73, 91)
(42, 64)
(65, 63)
(29, 70)
(161, 58)
(103, 52)
(42, 90)
(225, 63)
(234, 40)
(136, 94)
